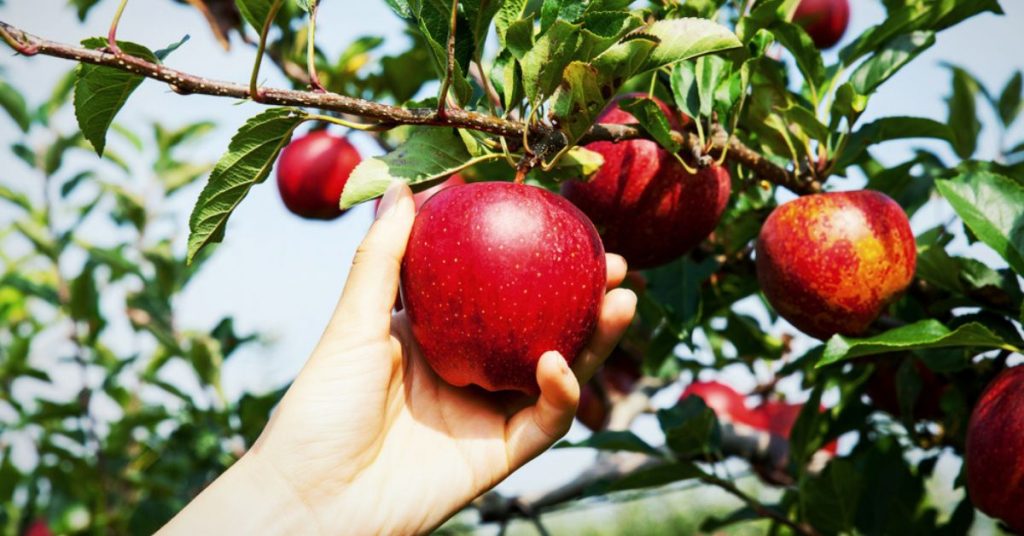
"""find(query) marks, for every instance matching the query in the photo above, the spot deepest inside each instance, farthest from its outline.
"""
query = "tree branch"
(386, 115)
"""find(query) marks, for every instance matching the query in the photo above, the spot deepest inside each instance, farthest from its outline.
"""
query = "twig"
(254, 90)
(759, 508)
(112, 33)
(185, 83)
(442, 96)
(314, 78)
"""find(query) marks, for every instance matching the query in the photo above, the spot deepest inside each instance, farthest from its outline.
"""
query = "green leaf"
(963, 116)
(652, 120)
(709, 72)
(831, 498)
(893, 128)
(17, 198)
(101, 92)
(14, 103)
(1010, 99)
(167, 50)
(255, 12)
(578, 100)
(480, 13)
(509, 12)
(683, 39)
(807, 56)
(992, 207)
(428, 155)
(892, 57)
(623, 440)
(250, 157)
(690, 427)
(921, 335)
(684, 88)
(551, 53)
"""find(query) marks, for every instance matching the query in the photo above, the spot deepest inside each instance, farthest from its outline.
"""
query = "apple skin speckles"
(831, 263)
(487, 284)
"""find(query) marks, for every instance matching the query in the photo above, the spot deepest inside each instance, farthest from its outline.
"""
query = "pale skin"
(368, 440)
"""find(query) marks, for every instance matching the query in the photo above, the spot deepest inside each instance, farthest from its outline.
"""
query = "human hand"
(369, 439)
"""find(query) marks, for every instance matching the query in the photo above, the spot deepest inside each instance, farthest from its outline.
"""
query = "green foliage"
(122, 452)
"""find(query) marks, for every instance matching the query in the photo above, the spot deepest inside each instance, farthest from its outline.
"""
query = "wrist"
(251, 497)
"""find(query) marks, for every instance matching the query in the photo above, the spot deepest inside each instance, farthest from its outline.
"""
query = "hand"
(369, 440)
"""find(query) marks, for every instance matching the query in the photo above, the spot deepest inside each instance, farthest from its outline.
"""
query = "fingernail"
(389, 199)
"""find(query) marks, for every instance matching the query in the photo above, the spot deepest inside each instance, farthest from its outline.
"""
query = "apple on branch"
(312, 172)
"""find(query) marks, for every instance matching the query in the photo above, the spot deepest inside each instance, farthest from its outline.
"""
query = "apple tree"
(711, 142)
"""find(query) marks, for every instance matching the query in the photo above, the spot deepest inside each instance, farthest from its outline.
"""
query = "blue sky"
(281, 275)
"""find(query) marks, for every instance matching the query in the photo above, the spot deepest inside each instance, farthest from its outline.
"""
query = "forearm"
(249, 498)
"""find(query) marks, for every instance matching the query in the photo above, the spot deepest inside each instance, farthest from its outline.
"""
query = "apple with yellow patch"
(831, 263)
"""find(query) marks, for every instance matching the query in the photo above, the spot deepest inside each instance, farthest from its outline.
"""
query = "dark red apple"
(496, 274)
(882, 389)
(727, 404)
(312, 172)
(995, 450)
(824, 20)
(646, 206)
(831, 263)
(616, 378)
(780, 418)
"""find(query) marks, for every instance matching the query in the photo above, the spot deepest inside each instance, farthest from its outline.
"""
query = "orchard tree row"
(666, 133)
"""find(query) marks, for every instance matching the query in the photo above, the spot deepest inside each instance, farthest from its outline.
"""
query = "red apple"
(780, 418)
(824, 20)
(727, 404)
(496, 274)
(616, 378)
(418, 199)
(312, 172)
(39, 527)
(831, 263)
(994, 456)
(646, 206)
(881, 387)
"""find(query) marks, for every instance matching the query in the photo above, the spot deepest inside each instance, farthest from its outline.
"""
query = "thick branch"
(386, 115)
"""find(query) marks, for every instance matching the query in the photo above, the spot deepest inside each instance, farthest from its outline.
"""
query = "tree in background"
(727, 93)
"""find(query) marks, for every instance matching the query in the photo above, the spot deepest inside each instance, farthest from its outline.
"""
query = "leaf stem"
(373, 127)
(442, 96)
(254, 90)
(314, 78)
(112, 33)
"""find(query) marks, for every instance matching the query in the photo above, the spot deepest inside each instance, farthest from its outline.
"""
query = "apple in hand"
(616, 378)
(646, 206)
(994, 454)
(727, 404)
(495, 275)
(312, 172)
(831, 263)
(824, 20)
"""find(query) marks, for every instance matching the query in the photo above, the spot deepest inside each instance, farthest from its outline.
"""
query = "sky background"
(281, 276)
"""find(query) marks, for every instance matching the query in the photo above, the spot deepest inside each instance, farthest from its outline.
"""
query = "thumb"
(365, 305)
